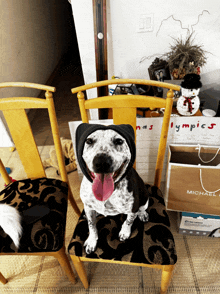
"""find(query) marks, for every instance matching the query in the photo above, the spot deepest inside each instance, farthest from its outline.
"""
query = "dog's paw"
(90, 244)
(143, 216)
(125, 232)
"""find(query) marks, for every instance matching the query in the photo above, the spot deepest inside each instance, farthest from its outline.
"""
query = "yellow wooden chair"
(43, 234)
(153, 245)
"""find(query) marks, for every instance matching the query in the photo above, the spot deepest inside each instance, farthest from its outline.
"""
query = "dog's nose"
(102, 163)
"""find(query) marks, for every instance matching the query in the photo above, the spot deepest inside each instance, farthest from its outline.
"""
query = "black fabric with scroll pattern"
(47, 233)
(150, 243)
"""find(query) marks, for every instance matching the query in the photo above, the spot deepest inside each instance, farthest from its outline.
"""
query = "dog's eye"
(118, 141)
(89, 141)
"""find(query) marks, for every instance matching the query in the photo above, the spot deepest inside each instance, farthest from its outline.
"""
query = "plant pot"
(178, 74)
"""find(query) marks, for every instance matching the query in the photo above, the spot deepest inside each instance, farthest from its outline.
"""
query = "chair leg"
(3, 279)
(65, 264)
(78, 264)
(167, 273)
(73, 202)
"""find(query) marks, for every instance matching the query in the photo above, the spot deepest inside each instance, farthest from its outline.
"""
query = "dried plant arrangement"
(185, 57)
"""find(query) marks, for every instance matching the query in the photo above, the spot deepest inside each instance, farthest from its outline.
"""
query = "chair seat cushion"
(150, 243)
(47, 232)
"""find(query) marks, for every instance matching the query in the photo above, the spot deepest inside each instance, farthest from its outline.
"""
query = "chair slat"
(27, 85)
(126, 81)
(22, 103)
(125, 116)
(56, 136)
(163, 138)
(4, 174)
(123, 101)
(81, 100)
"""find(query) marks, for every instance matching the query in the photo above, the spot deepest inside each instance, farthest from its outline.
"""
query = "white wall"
(127, 48)
(83, 19)
(130, 47)
(33, 39)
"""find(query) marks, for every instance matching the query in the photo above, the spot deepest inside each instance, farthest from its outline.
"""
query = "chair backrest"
(124, 109)
(14, 111)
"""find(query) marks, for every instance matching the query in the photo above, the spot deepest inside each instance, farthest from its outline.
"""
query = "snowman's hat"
(191, 81)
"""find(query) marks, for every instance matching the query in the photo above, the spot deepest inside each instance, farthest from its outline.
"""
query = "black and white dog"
(110, 185)
(10, 221)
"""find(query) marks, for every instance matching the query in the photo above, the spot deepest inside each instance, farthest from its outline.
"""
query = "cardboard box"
(199, 224)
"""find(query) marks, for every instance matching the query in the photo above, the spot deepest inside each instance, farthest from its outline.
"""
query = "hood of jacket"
(84, 130)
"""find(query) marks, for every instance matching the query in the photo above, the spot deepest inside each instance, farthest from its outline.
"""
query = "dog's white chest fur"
(121, 201)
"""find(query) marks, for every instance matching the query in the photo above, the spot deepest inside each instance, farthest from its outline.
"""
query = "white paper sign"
(5, 140)
(183, 130)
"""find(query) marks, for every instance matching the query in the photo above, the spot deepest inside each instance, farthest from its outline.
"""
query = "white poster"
(183, 130)
(5, 140)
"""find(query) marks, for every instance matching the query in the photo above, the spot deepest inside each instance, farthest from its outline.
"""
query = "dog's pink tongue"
(103, 186)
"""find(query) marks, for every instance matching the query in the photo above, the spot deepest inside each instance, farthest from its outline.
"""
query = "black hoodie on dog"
(135, 183)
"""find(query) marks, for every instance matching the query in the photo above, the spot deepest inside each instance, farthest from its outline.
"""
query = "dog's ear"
(83, 131)
(80, 136)
(80, 130)
(126, 129)
(129, 129)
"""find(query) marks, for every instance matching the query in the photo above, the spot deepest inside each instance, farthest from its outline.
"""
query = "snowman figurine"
(188, 103)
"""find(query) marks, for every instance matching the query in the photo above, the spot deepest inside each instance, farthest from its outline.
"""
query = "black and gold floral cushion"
(47, 232)
(150, 243)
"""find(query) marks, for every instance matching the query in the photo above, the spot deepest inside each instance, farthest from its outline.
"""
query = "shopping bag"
(193, 179)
